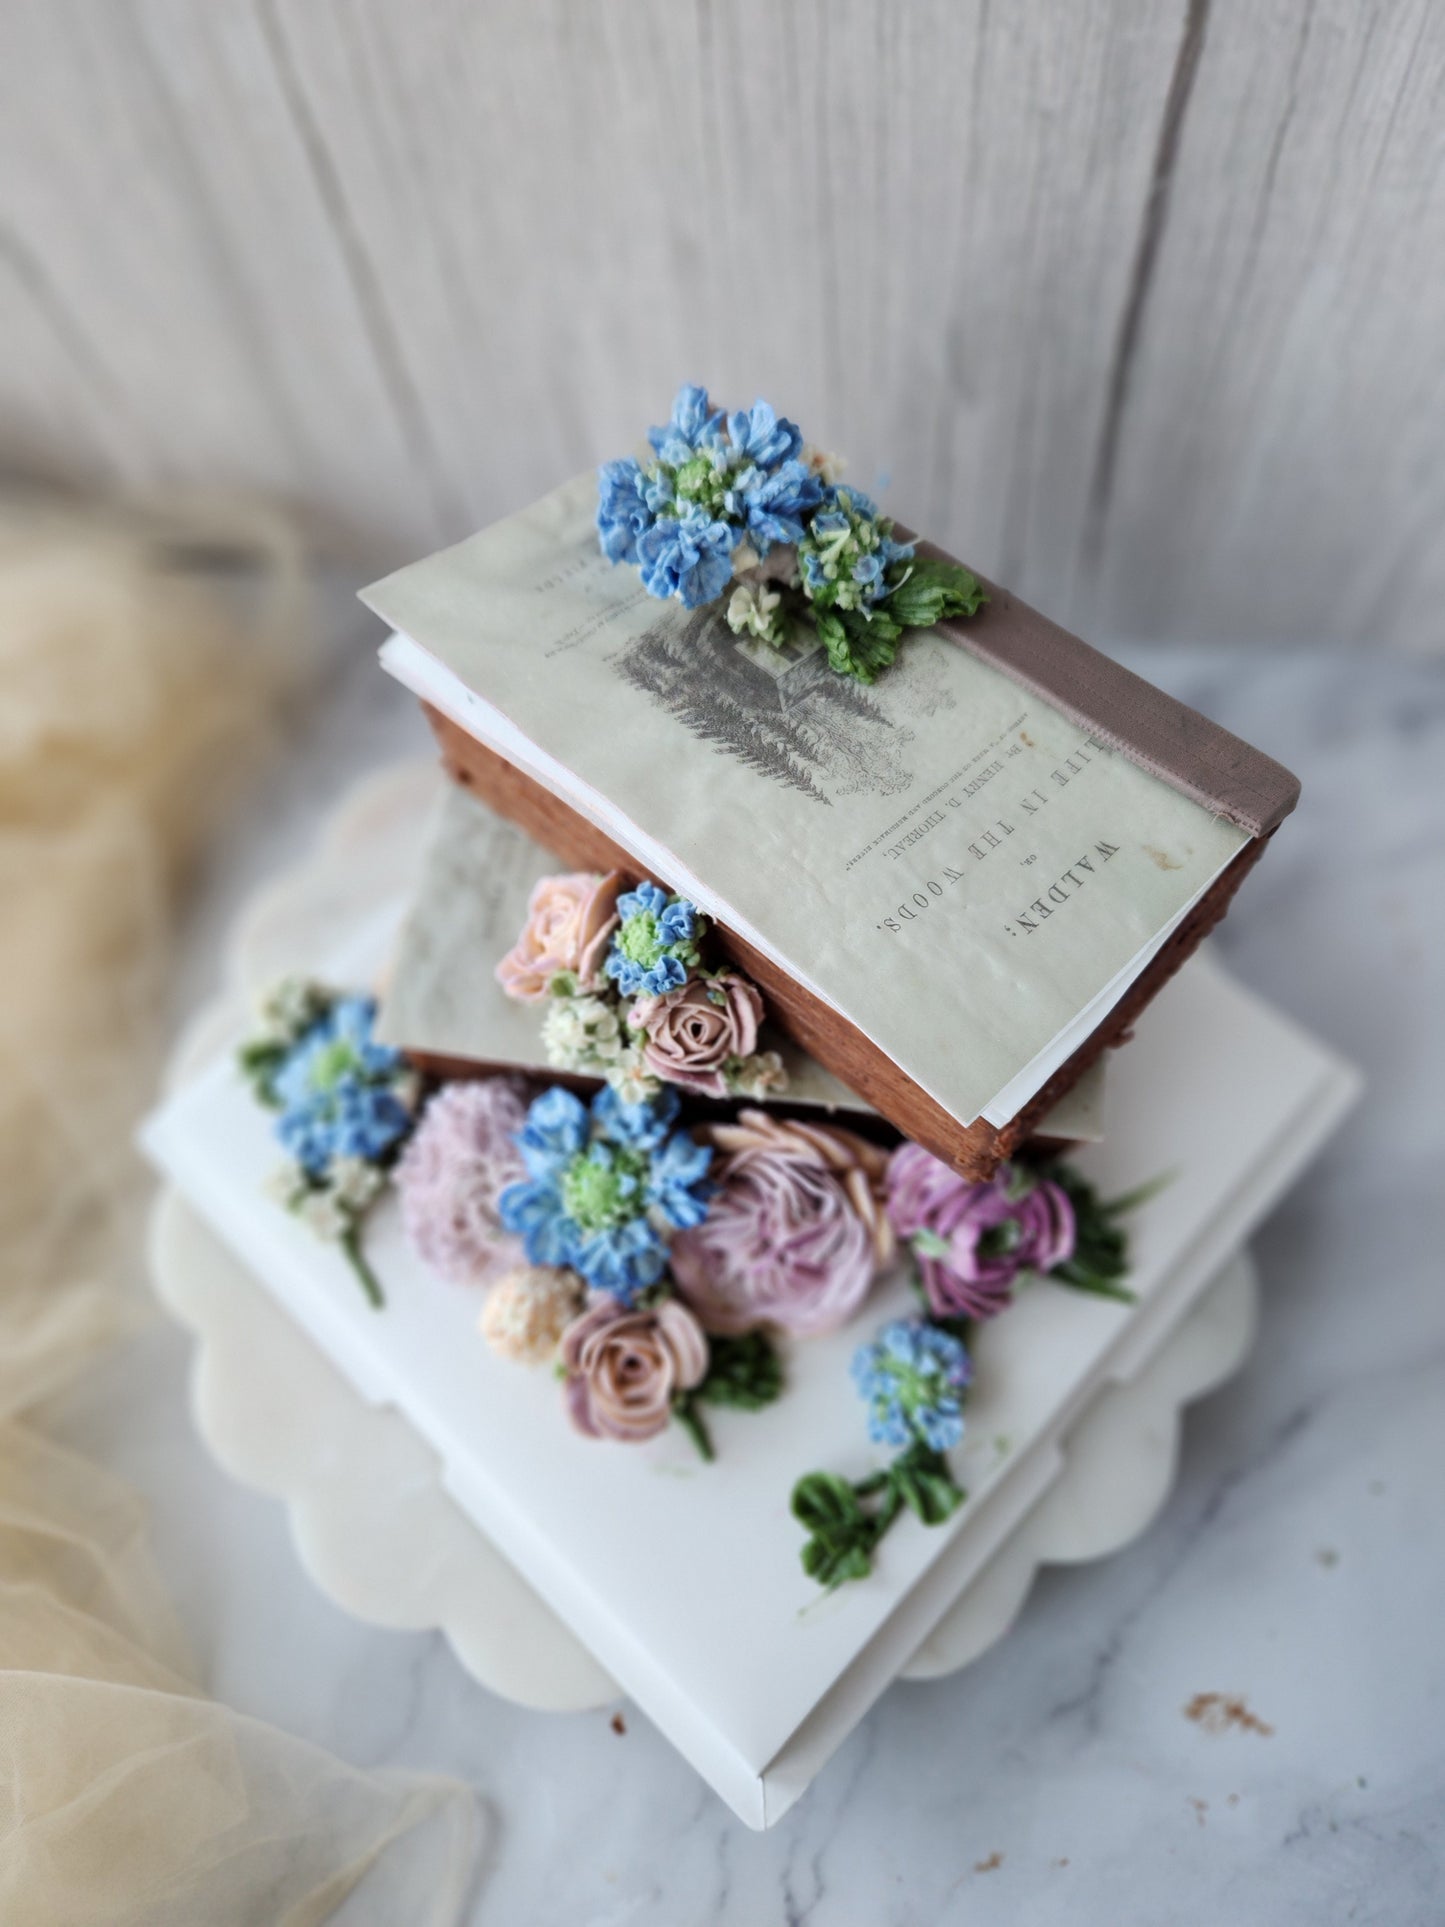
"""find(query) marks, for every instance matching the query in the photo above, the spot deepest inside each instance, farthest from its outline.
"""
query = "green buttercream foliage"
(745, 1373)
(843, 1533)
(931, 591)
(1101, 1245)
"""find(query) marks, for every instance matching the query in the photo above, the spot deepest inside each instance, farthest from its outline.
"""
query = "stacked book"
(865, 876)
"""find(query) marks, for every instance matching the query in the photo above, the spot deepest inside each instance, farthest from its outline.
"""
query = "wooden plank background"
(1138, 306)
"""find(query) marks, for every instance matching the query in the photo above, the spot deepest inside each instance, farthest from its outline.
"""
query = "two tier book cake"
(742, 1206)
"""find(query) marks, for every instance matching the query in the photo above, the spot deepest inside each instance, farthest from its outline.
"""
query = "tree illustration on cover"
(739, 502)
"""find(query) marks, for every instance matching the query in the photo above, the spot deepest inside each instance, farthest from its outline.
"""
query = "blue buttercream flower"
(695, 424)
(335, 1090)
(688, 556)
(598, 1184)
(759, 435)
(913, 1376)
(623, 509)
(600, 1179)
(656, 942)
(774, 503)
(847, 552)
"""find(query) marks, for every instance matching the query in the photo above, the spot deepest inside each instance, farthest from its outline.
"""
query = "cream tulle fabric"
(133, 700)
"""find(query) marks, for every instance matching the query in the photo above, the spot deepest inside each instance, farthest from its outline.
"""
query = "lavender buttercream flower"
(461, 1158)
(795, 1234)
(972, 1240)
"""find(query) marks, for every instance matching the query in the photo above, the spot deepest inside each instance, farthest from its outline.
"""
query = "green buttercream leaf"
(745, 1372)
(1100, 1259)
(924, 1483)
(259, 1064)
(930, 591)
(841, 1535)
(858, 646)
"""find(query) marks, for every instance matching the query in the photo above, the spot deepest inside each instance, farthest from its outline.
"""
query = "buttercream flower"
(570, 923)
(688, 556)
(913, 1376)
(655, 945)
(762, 437)
(626, 1366)
(622, 509)
(527, 1311)
(604, 1184)
(848, 548)
(972, 1240)
(461, 1158)
(692, 1031)
(583, 1034)
(796, 1232)
(694, 425)
(340, 1093)
(757, 611)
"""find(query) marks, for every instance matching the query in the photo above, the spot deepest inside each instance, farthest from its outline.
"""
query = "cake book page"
(684, 1578)
(962, 872)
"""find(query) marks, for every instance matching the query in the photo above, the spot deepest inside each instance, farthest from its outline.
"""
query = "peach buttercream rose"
(570, 921)
(692, 1031)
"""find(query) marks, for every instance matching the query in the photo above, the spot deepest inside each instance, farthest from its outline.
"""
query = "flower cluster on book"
(659, 1266)
(630, 996)
(737, 504)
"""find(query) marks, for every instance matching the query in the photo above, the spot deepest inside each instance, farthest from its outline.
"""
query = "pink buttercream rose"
(570, 921)
(795, 1233)
(625, 1366)
(460, 1159)
(692, 1031)
(972, 1240)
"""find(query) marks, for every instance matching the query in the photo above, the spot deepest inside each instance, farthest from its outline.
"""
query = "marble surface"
(1079, 1772)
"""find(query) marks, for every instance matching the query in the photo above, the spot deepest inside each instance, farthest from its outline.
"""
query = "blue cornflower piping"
(913, 1377)
(603, 1184)
(656, 942)
(724, 491)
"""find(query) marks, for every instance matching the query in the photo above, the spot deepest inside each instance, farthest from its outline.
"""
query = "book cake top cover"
(968, 871)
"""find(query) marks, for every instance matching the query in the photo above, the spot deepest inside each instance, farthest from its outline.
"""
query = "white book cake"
(683, 1577)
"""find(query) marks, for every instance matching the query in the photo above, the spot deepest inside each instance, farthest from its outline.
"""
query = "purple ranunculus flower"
(972, 1240)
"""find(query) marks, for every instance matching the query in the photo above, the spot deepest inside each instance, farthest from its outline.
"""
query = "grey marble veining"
(1298, 1566)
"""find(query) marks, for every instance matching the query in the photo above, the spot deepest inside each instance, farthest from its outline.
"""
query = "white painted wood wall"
(1141, 306)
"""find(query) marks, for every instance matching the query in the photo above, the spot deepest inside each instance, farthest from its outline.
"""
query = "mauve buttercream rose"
(795, 1233)
(624, 1367)
(570, 921)
(972, 1240)
(692, 1031)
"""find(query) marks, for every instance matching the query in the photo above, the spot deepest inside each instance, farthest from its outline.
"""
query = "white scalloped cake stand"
(368, 1514)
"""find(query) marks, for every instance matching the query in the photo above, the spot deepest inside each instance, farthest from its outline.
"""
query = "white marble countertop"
(1299, 1565)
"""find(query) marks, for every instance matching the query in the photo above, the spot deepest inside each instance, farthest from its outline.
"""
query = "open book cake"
(732, 1210)
(445, 1008)
(957, 862)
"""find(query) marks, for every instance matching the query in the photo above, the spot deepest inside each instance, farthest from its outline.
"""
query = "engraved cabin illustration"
(783, 712)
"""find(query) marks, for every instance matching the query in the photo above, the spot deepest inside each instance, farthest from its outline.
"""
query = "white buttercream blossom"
(325, 1214)
(753, 610)
(583, 1034)
(355, 1183)
(759, 1076)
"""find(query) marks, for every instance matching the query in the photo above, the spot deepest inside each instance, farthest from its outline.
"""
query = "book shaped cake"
(956, 849)
(444, 1005)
